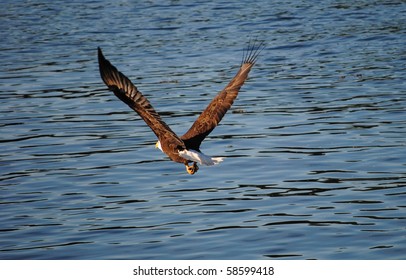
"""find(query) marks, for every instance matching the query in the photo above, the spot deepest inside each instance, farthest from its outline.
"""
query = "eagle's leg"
(191, 169)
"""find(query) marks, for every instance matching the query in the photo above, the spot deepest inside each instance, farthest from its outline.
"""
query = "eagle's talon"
(192, 169)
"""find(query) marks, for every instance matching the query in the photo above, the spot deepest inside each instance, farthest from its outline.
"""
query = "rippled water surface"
(315, 153)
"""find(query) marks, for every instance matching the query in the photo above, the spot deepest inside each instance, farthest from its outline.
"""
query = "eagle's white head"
(158, 145)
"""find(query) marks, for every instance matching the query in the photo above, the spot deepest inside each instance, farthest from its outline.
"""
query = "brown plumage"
(185, 149)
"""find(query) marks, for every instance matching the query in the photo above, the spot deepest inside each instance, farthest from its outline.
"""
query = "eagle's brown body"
(170, 143)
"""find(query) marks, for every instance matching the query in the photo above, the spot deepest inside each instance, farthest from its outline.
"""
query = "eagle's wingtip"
(253, 50)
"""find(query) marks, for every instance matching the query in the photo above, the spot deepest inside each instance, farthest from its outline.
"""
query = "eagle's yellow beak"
(158, 145)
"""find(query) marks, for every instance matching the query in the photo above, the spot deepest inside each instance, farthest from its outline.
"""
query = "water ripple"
(314, 145)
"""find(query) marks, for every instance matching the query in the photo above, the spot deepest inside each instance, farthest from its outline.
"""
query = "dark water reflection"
(314, 146)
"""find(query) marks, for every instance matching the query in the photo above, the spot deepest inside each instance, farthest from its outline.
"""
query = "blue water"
(315, 144)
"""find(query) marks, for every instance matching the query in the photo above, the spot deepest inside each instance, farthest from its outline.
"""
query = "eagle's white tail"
(201, 158)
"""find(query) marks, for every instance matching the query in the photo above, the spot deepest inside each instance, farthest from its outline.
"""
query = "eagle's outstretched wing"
(218, 107)
(125, 90)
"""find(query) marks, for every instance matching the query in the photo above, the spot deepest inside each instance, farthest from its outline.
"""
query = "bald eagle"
(184, 149)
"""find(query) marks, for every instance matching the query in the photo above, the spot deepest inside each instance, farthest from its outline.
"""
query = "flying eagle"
(184, 149)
